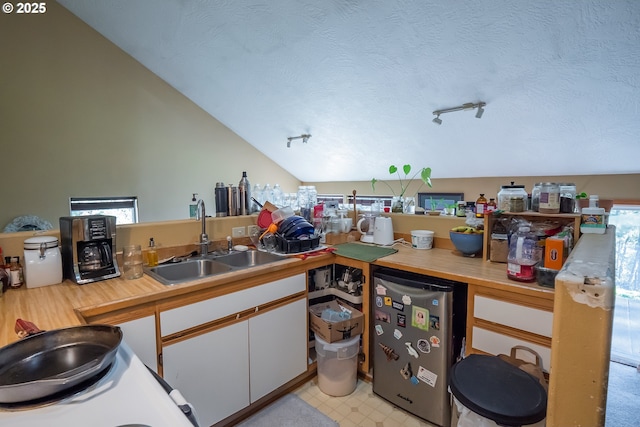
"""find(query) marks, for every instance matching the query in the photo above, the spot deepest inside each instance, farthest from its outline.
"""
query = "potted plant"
(405, 181)
(434, 207)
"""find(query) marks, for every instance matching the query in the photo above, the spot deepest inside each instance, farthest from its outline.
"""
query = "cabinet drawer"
(181, 318)
(514, 315)
(495, 343)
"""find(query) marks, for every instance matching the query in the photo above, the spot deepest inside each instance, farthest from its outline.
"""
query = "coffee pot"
(366, 226)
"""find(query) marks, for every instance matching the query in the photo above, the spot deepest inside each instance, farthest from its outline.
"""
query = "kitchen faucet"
(204, 239)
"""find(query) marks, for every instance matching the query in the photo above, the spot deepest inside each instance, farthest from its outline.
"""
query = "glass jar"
(461, 209)
(549, 198)
(567, 197)
(535, 197)
(132, 262)
(509, 192)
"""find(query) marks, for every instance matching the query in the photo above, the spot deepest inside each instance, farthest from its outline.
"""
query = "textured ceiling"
(561, 79)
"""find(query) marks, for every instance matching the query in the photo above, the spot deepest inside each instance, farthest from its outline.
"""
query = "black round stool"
(498, 390)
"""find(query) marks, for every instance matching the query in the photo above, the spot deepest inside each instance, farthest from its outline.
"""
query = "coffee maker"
(88, 247)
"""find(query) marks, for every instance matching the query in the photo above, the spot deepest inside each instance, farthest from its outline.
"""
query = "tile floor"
(361, 408)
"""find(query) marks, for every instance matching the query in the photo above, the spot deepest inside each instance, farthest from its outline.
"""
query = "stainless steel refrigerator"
(416, 336)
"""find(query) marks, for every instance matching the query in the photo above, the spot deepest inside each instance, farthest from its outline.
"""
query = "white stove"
(127, 395)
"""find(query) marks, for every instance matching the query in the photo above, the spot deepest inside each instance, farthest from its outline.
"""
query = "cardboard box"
(554, 253)
(335, 331)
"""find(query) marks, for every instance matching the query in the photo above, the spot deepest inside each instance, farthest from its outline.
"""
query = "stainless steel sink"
(248, 259)
(198, 268)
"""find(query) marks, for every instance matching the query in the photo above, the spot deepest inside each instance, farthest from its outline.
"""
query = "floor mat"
(289, 411)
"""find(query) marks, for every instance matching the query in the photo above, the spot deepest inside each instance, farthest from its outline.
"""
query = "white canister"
(42, 261)
(421, 239)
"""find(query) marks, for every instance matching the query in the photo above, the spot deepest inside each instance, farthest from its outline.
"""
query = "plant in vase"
(398, 199)
(450, 209)
(434, 207)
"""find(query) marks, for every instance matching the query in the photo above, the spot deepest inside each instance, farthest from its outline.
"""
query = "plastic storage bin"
(338, 366)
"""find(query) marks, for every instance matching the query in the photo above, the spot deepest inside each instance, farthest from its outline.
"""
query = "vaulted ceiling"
(561, 80)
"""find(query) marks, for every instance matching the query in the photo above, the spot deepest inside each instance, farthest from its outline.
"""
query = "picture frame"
(443, 199)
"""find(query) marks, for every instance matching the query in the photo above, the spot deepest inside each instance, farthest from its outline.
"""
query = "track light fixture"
(467, 106)
(305, 138)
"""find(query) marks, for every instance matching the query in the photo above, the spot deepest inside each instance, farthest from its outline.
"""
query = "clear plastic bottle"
(278, 196)
(257, 194)
(303, 199)
(524, 254)
(267, 193)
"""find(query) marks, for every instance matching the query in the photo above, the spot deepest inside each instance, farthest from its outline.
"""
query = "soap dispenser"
(193, 206)
(152, 255)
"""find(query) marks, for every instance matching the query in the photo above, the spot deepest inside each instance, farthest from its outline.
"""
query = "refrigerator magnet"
(406, 299)
(402, 320)
(382, 316)
(427, 376)
(397, 305)
(424, 346)
(435, 341)
(412, 351)
(387, 301)
(379, 330)
(406, 372)
(419, 318)
(381, 290)
(434, 322)
(379, 302)
(397, 334)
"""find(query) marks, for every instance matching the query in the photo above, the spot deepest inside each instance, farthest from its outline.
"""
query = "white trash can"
(490, 392)
(338, 366)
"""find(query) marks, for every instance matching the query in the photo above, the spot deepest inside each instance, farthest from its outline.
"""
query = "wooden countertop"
(58, 306)
(450, 264)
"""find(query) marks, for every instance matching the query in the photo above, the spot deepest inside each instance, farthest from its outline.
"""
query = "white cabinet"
(499, 320)
(211, 371)
(277, 347)
(244, 346)
(140, 335)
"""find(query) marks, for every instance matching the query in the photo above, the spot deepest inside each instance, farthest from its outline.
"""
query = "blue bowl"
(468, 244)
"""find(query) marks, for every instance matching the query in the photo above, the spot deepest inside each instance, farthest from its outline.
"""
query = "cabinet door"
(211, 371)
(277, 347)
(140, 335)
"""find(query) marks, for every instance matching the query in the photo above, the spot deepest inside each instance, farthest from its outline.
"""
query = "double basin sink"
(207, 266)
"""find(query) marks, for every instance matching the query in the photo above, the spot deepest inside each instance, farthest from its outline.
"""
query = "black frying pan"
(49, 362)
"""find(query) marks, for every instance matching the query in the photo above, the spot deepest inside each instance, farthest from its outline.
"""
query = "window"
(125, 209)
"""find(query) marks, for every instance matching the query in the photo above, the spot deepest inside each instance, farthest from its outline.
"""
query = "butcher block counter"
(69, 304)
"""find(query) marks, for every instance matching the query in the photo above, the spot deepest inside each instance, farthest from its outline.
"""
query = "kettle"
(383, 231)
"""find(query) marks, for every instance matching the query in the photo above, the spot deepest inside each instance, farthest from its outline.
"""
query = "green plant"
(434, 204)
(405, 181)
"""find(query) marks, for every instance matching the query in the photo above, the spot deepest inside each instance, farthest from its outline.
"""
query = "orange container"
(554, 253)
